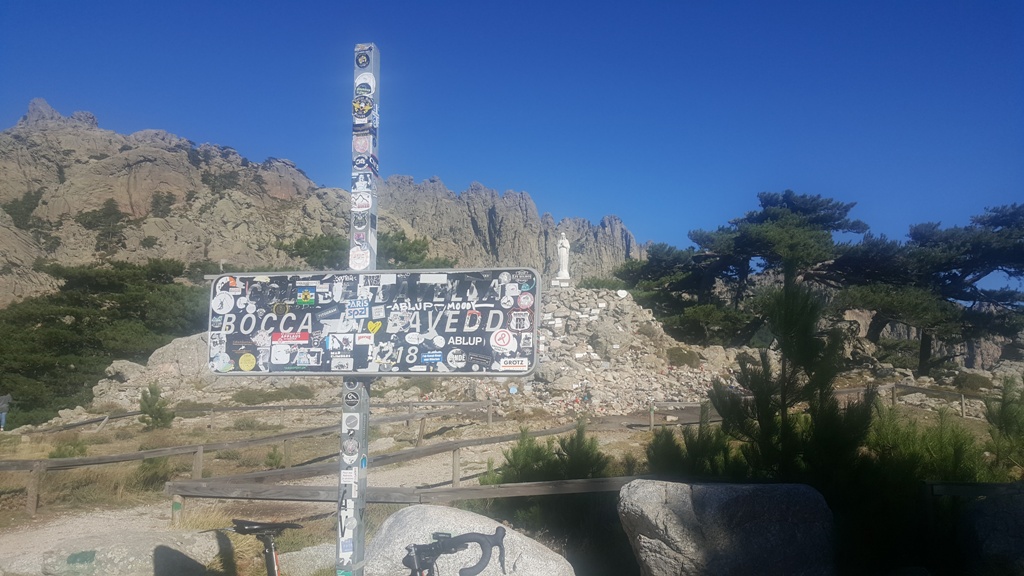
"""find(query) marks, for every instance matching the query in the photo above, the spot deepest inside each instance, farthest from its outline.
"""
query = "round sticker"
(247, 362)
(363, 59)
(361, 162)
(361, 144)
(366, 84)
(456, 358)
(414, 338)
(526, 300)
(350, 447)
(223, 303)
(362, 106)
(358, 258)
(222, 363)
(503, 341)
(507, 301)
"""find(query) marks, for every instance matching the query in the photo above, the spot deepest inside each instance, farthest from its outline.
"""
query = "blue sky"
(671, 115)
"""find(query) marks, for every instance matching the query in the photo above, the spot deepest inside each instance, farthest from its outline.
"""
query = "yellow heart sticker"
(373, 326)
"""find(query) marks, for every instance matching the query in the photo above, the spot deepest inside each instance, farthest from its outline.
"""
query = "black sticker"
(351, 399)
(363, 89)
(363, 59)
(362, 106)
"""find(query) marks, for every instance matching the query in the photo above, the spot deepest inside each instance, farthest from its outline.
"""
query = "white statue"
(563, 258)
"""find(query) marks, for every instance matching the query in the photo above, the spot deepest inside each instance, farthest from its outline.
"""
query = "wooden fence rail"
(102, 420)
(37, 468)
(395, 495)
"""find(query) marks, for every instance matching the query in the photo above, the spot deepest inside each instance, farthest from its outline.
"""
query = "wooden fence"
(253, 485)
(260, 485)
(37, 468)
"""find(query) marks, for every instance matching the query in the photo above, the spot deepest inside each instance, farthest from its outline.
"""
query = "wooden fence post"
(456, 469)
(103, 423)
(32, 491)
(490, 412)
(287, 453)
(650, 426)
(963, 407)
(894, 396)
(423, 429)
(197, 463)
(411, 409)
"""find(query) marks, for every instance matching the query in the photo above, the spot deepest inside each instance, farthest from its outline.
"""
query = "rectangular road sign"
(395, 322)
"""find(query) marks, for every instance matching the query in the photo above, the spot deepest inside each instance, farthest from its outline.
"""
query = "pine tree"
(155, 413)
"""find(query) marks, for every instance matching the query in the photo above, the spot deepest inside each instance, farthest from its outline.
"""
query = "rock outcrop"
(206, 202)
(416, 524)
(991, 532)
(722, 529)
(600, 353)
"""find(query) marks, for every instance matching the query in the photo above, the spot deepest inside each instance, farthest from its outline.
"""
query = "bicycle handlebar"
(421, 557)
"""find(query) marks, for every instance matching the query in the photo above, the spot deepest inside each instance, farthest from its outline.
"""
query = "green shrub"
(70, 446)
(252, 424)
(149, 242)
(228, 454)
(193, 406)
(252, 396)
(664, 453)
(899, 353)
(968, 382)
(153, 473)
(579, 456)
(20, 210)
(161, 204)
(155, 413)
(274, 459)
(602, 284)
(109, 215)
(1005, 416)
(220, 182)
(682, 357)
(529, 460)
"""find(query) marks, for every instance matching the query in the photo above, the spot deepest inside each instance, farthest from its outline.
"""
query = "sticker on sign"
(362, 323)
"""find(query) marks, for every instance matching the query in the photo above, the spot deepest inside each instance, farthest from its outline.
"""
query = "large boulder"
(416, 524)
(703, 529)
(991, 531)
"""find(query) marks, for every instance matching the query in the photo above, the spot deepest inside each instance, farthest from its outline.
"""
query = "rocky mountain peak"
(41, 114)
(194, 202)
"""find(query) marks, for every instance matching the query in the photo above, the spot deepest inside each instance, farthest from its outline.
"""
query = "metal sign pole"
(355, 411)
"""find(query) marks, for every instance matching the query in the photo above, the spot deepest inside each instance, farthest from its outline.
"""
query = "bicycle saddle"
(255, 527)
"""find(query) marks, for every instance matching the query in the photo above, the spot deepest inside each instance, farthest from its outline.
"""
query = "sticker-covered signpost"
(362, 255)
(364, 324)
(375, 323)
(361, 323)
